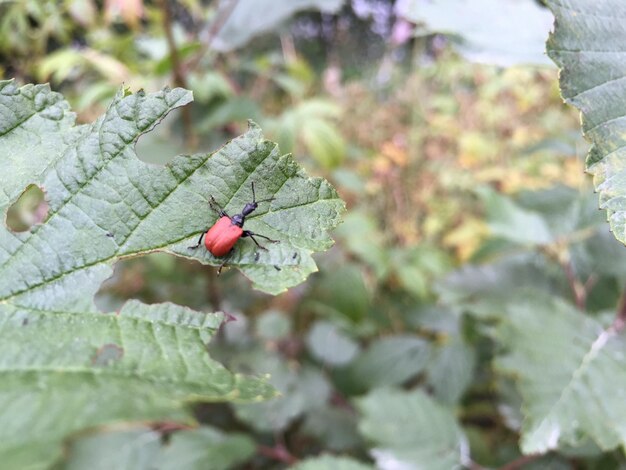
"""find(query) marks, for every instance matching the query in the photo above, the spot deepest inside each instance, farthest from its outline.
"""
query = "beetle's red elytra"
(220, 239)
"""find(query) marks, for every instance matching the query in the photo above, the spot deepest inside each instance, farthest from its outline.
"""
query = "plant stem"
(578, 288)
(560, 254)
(216, 26)
(520, 462)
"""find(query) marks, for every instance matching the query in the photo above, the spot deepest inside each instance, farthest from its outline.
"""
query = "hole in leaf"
(160, 147)
(30, 209)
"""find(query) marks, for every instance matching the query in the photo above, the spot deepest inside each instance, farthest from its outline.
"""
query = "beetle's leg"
(215, 206)
(248, 233)
(199, 242)
(228, 256)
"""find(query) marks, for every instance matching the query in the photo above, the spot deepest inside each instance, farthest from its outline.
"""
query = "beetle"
(220, 239)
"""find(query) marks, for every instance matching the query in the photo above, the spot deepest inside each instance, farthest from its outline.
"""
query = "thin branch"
(520, 462)
(474, 466)
(180, 79)
(166, 427)
(620, 319)
(578, 288)
(216, 26)
(278, 453)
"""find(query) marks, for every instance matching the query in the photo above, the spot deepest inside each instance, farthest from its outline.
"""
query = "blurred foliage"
(467, 197)
(485, 30)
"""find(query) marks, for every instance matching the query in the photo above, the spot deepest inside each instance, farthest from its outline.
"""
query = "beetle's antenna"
(254, 201)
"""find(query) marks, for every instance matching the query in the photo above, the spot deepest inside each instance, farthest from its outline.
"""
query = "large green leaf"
(204, 448)
(133, 449)
(65, 370)
(106, 204)
(411, 430)
(330, 345)
(589, 45)
(391, 360)
(301, 391)
(485, 290)
(249, 18)
(490, 29)
(512, 222)
(451, 369)
(570, 374)
(66, 365)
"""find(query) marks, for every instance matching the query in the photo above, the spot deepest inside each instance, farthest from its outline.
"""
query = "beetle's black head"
(249, 208)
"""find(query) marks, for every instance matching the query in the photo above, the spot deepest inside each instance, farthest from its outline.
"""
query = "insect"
(222, 236)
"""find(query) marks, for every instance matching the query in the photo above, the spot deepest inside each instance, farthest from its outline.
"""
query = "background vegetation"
(471, 241)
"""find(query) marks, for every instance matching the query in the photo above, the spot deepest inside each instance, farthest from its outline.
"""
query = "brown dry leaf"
(131, 11)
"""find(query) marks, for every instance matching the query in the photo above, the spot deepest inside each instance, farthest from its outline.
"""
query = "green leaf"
(160, 208)
(342, 294)
(301, 390)
(250, 18)
(232, 109)
(204, 448)
(326, 462)
(489, 28)
(58, 352)
(135, 449)
(417, 266)
(486, 290)
(273, 325)
(326, 145)
(451, 369)
(329, 345)
(312, 122)
(361, 237)
(390, 361)
(570, 375)
(589, 46)
(64, 371)
(334, 426)
(512, 222)
(411, 430)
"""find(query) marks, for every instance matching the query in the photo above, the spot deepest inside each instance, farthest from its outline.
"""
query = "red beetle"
(222, 236)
